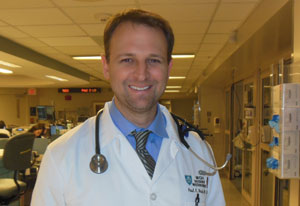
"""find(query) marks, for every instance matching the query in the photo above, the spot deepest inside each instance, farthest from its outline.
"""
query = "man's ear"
(105, 67)
(170, 67)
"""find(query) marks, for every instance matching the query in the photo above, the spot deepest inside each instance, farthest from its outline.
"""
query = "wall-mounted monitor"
(46, 113)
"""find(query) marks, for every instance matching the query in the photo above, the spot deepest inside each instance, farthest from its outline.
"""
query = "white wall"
(212, 100)
(14, 106)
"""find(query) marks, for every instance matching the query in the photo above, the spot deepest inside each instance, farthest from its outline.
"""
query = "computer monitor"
(55, 128)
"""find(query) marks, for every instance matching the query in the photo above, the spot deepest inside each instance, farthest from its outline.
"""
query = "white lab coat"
(65, 177)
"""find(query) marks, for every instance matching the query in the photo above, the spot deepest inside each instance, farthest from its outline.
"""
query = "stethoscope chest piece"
(98, 164)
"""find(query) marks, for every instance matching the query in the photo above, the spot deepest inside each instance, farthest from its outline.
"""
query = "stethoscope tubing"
(99, 163)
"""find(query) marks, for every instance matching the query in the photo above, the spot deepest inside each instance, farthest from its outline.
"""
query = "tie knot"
(141, 138)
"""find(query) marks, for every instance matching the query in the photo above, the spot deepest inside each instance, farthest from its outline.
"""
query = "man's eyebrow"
(125, 55)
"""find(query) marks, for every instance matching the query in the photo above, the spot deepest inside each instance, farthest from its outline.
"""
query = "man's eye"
(127, 60)
(154, 61)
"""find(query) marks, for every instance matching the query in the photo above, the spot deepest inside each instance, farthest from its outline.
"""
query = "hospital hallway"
(232, 196)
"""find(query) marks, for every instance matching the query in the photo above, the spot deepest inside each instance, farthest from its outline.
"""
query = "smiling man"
(147, 163)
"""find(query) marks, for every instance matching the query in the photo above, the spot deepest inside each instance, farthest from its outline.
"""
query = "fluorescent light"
(175, 56)
(172, 90)
(9, 64)
(5, 71)
(176, 77)
(87, 57)
(183, 56)
(57, 78)
(174, 87)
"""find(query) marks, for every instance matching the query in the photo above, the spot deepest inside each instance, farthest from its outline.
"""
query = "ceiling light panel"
(177, 77)
(5, 71)
(56, 78)
(9, 64)
(172, 91)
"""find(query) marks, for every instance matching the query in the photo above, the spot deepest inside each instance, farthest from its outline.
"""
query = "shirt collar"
(158, 126)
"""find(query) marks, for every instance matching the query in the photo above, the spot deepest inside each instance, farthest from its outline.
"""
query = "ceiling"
(42, 36)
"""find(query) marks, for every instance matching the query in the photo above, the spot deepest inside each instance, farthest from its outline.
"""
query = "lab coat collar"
(108, 130)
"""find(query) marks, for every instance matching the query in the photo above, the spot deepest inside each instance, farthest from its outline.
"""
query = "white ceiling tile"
(11, 32)
(33, 16)
(93, 29)
(2, 23)
(240, 1)
(203, 57)
(80, 50)
(241, 11)
(31, 42)
(185, 48)
(210, 47)
(52, 30)
(176, 1)
(223, 27)
(91, 3)
(216, 38)
(21, 4)
(196, 27)
(177, 73)
(188, 38)
(183, 12)
(200, 64)
(92, 15)
(69, 41)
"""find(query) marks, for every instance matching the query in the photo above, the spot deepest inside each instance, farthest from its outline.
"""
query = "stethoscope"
(99, 163)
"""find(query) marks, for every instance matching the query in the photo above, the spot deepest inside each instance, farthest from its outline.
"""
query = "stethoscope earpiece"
(98, 164)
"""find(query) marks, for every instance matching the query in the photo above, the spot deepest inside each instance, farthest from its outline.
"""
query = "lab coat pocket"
(195, 204)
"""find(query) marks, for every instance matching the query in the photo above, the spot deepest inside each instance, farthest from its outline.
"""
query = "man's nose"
(141, 71)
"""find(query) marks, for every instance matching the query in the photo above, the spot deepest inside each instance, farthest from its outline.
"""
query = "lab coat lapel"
(169, 147)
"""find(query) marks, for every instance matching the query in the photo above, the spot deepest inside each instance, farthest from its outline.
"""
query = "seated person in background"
(38, 130)
(3, 131)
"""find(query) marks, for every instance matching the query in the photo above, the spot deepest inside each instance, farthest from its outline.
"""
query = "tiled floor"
(232, 196)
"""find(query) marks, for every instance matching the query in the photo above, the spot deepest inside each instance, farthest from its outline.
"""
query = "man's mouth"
(139, 88)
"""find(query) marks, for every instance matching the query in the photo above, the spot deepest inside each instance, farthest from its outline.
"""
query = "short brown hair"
(138, 16)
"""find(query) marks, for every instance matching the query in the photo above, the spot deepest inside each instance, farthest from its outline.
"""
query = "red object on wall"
(31, 91)
(68, 97)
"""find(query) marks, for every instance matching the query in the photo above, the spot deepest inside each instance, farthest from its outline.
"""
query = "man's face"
(138, 69)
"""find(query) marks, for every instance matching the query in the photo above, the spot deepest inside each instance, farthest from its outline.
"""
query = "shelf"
(265, 146)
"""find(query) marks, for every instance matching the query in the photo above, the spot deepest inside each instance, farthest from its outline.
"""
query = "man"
(4, 133)
(137, 62)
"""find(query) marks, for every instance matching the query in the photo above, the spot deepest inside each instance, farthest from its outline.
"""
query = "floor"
(232, 196)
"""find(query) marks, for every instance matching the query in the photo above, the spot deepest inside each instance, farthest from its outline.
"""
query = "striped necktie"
(146, 158)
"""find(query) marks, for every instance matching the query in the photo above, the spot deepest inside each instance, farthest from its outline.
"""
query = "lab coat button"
(153, 196)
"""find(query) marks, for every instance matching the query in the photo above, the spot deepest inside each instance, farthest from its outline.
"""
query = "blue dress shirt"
(158, 128)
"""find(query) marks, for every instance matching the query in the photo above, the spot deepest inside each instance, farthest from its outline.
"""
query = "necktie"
(146, 158)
